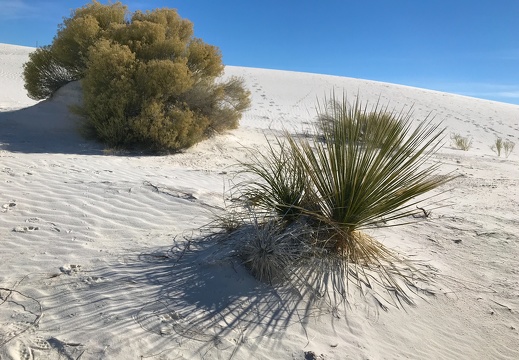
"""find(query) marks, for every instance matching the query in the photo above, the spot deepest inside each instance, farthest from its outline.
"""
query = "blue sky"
(468, 47)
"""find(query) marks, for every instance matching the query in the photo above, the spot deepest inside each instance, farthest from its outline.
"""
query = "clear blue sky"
(469, 47)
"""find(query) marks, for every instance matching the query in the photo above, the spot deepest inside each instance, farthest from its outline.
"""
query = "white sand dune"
(95, 246)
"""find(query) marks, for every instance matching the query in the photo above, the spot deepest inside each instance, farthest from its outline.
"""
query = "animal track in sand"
(34, 220)
(9, 331)
(24, 344)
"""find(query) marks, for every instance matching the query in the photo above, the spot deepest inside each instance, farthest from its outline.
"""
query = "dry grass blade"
(271, 250)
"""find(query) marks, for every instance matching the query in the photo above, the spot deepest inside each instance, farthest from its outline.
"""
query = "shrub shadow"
(47, 127)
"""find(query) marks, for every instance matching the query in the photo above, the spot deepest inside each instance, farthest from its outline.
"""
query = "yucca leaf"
(365, 170)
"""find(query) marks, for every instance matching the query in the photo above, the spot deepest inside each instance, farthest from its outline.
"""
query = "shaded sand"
(97, 248)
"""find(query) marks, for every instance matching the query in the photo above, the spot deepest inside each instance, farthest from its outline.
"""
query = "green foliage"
(359, 182)
(52, 66)
(147, 81)
(220, 102)
(461, 142)
(168, 129)
(497, 147)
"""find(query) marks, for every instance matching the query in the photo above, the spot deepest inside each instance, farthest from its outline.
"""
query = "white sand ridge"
(104, 270)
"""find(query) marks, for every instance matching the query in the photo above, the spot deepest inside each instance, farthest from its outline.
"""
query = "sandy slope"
(96, 245)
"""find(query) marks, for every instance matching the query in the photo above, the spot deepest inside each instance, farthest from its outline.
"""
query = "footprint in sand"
(25, 351)
(92, 280)
(14, 338)
(8, 206)
(39, 343)
(70, 269)
(24, 229)
(12, 330)
(51, 348)
(8, 171)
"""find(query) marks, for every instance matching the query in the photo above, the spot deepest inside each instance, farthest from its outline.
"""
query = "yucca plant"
(345, 182)
(271, 250)
(363, 168)
(359, 183)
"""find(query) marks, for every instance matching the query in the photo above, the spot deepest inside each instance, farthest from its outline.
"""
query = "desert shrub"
(499, 146)
(147, 81)
(343, 181)
(83, 29)
(461, 142)
(222, 103)
(168, 129)
(52, 66)
(111, 69)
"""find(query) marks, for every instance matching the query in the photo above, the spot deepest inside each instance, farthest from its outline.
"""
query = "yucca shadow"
(206, 294)
(197, 291)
